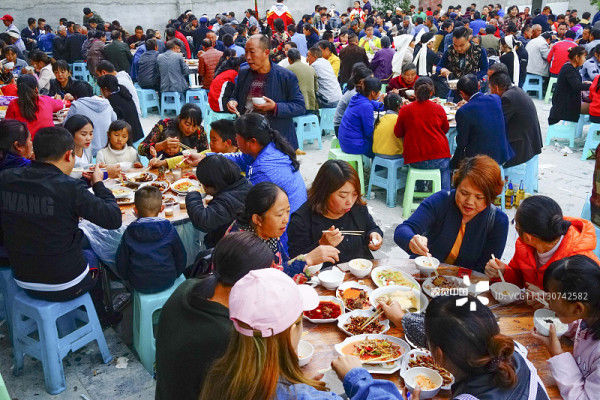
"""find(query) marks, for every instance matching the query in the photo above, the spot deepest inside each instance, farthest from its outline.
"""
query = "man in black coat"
(349, 56)
(74, 44)
(148, 74)
(118, 53)
(542, 19)
(521, 119)
(59, 44)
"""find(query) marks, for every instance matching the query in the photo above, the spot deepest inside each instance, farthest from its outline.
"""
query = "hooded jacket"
(356, 129)
(579, 239)
(124, 107)
(100, 112)
(151, 255)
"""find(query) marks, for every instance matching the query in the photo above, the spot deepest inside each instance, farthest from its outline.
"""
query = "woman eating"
(30, 107)
(334, 205)
(43, 70)
(61, 85)
(261, 362)
(266, 213)
(545, 236)
(404, 81)
(460, 227)
(168, 134)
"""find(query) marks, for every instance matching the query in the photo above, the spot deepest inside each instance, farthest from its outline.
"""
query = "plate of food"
(373, 349)
(119, 191)
(441, 285)
(124, 201)
(168, 201)
(185, 186)
(328, 310)
(410, 299)
(163, 186)
(354, 295)
(422, 358)
(384, 368)
(351, 323)
(141, 176)
(393, 276)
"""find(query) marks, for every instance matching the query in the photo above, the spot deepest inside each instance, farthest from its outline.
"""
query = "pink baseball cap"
(268, 301)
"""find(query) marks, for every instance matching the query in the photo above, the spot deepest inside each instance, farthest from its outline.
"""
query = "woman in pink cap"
(261, 362)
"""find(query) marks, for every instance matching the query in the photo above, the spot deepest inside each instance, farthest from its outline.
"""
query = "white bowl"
(258, 101)
(360, 267)
(331, 279)
(542, 327)
(452, 83)
(427, 265)
(305, 352)
(409, 93)
(344, 318)
(505, 293)
(332, 299)
(422, 301)
(409, 379)
(313, 269)
(412, 355)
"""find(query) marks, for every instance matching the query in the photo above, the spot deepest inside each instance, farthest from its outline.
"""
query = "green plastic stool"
(356, 160)
(414, 175)
(3, 391)
(550, 89)
(144, 307)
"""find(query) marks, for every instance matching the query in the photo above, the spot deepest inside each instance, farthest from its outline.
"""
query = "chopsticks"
(183, 146)
(499, 271)
(349, 233)
(372, 319)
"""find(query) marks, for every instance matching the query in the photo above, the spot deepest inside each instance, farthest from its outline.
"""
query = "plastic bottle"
(520, 195)
(509, 196)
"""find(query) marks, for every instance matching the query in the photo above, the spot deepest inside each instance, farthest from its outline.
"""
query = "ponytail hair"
(541, 217)
(470, 339)
(576, 51)
(256, 126)
(27, 96)
(423, 88)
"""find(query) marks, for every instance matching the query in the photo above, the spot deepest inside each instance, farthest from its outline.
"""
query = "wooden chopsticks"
(370, 320)
(349, 233)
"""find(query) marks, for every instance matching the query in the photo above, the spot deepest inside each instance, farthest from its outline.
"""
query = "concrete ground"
(562, 176)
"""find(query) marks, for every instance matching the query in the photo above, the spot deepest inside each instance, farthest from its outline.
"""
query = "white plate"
(413, 354)
(433, 291)
(344, 318)
(195, 186)
(384, 368)
(120, 192)
(422, 301)
(408, 277)
(352, 284)
(132, 175)
(325, 321)
(358, 338)
(164, 185)
(125, 201)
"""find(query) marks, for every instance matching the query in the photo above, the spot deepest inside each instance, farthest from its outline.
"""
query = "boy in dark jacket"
(151, 255)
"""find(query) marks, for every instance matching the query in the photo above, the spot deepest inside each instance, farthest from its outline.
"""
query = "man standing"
(136, 39)
(329, 93)
(349, 56)
(59, 44)
(89, 14)
(107, 68)
(174, 72)
(279, 10)
(148, 74)
(118, 53)
(367, 9)
(307, 80)
(207, 62)
(277, 86)
(542, 19)
(74, 43)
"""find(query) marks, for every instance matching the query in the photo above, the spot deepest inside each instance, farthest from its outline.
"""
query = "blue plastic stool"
(592, 140)
(170, 101)
(391, 180)
(562, 130)
(50, 349)
(326, 115)
(584, 119)
(212, 116)
(144, 307)
(451, 134)
(534, 84)
(526, 172)
(414, 175)
(195, 95)
(8, 289)
(80, 71)
(586, 213)
(307, 128)
(148, 100)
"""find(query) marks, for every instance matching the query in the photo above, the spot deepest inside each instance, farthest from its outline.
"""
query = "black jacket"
(148, 75)
(60, 51)
(522, 126)
(56, 88)
(507, 59)
(305, 231)
(40, 208)
(123, 105)
(566, 100)
(349, 56)
(74, 44)
(151, 255)
(119, 54)
(215, 218)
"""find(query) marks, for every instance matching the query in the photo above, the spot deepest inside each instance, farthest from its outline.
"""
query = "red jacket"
(398, 82)
(180, 36)
(579, 239)
(43, 117)
(423, 125)
(221, 89)
(9, 90)
(559, 55)
(594, 97)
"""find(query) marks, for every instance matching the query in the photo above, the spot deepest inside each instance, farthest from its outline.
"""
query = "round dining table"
(515, 320)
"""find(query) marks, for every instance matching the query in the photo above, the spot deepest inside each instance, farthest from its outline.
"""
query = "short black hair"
(148, 200)
(468, 84)
(218, 172)
(81, 89)
(191, 111)
(115, 35)
(294, 54)
(108, 82)
(87, 10)
(119, 125)
(51, 143)
(225, 128)
(500, 80)
(106, 66)
(151, 44)
(570, 34)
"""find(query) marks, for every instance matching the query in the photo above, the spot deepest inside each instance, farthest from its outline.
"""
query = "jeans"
(443, 164)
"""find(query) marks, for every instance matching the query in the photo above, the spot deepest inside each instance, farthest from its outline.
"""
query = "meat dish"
(354, 323)
(428, 362)
(143, 177)
(325, 310)
(355, 299)
(380, 350)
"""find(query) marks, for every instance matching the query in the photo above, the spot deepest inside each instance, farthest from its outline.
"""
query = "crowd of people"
(384, 73)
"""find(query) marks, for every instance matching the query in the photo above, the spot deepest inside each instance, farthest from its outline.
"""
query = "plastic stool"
(3, 391)
(80, 71)
(592, 140)
(326, 115)
(335, 144)
(562, 130)
(414, 175)
(170, 101)
(8, 289)
(452, 132)
(583, 120)
(212, 116)
(586, 213)
(356, 160)
(307, 128)
(144, 306)
(550, 90)
(526, 172)
(390, 181)
(194, 95)
(148, 99)
(534, 83)
(50, 349)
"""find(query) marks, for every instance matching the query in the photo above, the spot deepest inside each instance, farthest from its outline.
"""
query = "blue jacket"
(151, 255)
(476, 26)
(358, 385)
(282, 87)
(439, 219)
(11, 160)
(356, 129)
(481, 130)
(46, 41)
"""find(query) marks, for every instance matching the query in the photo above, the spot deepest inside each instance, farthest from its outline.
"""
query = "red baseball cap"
(7, 17)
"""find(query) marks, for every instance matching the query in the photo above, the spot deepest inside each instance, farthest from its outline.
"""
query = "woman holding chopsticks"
(335, 215)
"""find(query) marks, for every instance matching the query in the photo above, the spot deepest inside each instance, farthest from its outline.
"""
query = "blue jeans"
(443, 164)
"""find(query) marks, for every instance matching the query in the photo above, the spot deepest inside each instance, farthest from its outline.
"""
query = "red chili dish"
(325, 310)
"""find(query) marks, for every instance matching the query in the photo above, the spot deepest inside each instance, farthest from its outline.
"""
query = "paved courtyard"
(563, 177)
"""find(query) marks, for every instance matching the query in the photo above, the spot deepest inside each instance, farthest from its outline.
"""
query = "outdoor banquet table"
(515, 320)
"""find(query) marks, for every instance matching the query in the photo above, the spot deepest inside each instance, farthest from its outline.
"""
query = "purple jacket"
(578, 375)
(382, 63)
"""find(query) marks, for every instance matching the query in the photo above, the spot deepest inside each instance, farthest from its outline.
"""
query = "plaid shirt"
(207, 63)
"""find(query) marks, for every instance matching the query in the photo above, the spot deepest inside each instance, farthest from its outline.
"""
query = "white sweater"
(125, 157)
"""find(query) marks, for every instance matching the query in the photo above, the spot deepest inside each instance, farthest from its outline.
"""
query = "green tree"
(383, 5)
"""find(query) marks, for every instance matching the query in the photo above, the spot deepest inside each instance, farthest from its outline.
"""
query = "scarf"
(401, 43)
(512, 44)
(420, 59)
